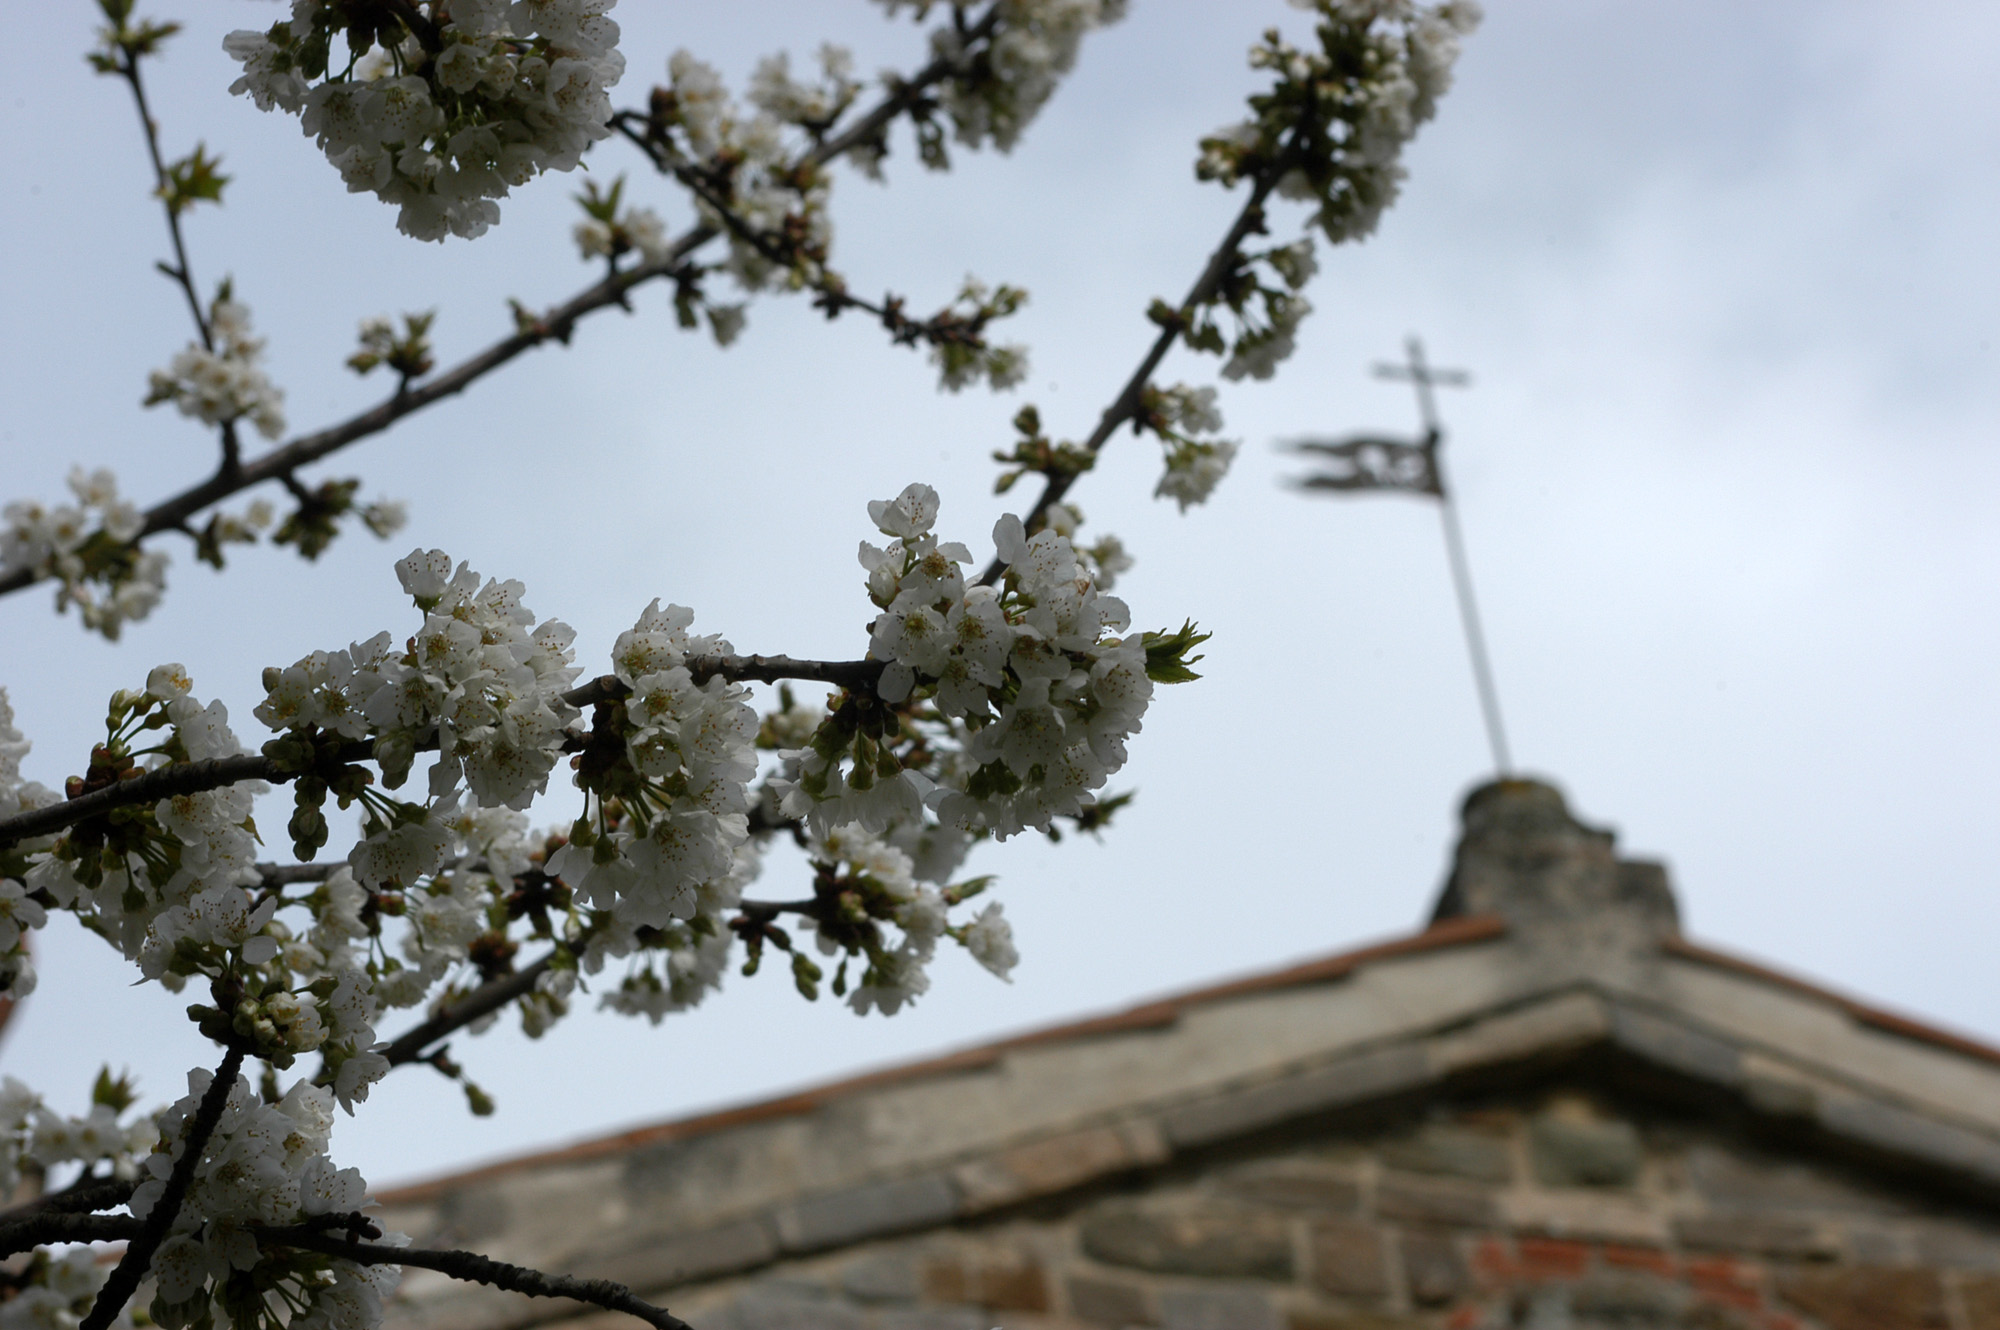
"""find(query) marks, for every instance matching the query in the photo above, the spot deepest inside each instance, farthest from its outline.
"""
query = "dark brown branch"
(1125, 406)
(557, 325)
(477, 1269)
(21, 1235)
(422, 28)
(138, 1257)
(80, 1197)
(153, 786)
(489, 997)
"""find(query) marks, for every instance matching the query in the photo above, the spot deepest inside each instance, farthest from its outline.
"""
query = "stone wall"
(1559, 1211)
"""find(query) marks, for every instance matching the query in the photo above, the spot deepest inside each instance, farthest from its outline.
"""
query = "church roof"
(1547, 955)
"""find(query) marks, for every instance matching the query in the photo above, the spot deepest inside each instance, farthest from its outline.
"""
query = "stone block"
(1980, 1296)
(786, 1308)
(1900, 1131)
(890, 1276)
(1434, 1201)
(1212, 1241)
(1217, 1309)
(1296, 1184)
(1320, 1319)
(1057, 1163)
(870, 1210)
(1602, 1216)
(1348, 1259)
(677, 1258)
(1573, 1020)
(1450, 1150)
(1792, 1237)
(1866, 1297)
(1630, 1298)
(1434, 1268)
(1350, 1081)
(1010, 1284)
(1962, 1247)
(1571, 1152)
(1675, 1046)
(933, 1318)
(1110, 1302)
(1735, 1180)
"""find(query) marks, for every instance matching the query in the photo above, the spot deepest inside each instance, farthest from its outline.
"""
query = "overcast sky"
(1724, 276)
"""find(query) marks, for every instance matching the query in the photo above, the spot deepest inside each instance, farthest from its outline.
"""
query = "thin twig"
(132, 1267)
(487, 998)
(477, 1269)
(128, 67)
(1125, 406)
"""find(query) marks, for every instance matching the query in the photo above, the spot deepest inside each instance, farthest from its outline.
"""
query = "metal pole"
(1475, 639)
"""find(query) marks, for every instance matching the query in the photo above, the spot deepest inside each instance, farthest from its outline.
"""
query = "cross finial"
(1420, 374)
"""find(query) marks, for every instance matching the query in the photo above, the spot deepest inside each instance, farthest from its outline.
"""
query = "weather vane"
(1373, 462)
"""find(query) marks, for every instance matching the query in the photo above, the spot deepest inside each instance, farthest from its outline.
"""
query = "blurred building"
(1548, 1109)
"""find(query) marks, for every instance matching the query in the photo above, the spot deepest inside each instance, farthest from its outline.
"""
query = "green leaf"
(191, 180)
(115, 1093)
(1167, 658)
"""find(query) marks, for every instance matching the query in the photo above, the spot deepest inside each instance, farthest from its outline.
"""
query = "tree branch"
(128, 68)
(80, 1197)
(21, 1235)
(132, 1267)
(1125, 406)
(477, 1269)
(487, 998)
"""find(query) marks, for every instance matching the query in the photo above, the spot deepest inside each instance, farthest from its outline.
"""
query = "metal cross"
(1418, 371)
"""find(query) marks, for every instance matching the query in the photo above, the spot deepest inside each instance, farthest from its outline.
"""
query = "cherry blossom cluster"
(868, 881)
(165, 884)
(1337, 120)
(451, 106)
(265, 1165)
(35, 1139)
(1195, 466)
(19, 914)
(85, 547)
(56, 1292)
(1030, 694)
(997, 90)
(1105, 561)
(740, 159)
(222, 383)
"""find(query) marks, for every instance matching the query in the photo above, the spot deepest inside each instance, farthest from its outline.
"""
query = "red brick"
(1650, 1259)
(1721, 1270)
(1493, 1263)
(1468, 1317)
(1553, 1258)
(1779, 1321)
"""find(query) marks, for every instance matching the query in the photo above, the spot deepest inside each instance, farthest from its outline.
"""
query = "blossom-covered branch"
(132, 787)
(989, 97)
(165, 1205)
(1330, 131)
